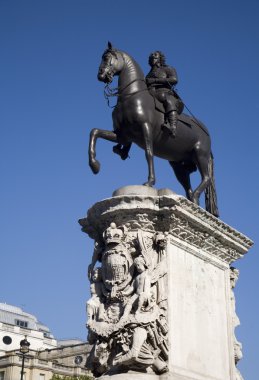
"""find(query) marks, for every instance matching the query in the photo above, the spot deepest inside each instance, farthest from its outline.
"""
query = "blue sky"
(50, 99)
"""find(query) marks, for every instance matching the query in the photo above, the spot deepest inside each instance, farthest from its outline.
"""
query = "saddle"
(188, 120)
(160, 107)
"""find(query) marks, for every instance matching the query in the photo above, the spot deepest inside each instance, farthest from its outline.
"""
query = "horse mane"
(133, 65)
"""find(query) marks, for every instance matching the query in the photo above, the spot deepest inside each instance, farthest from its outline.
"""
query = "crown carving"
(114, 234)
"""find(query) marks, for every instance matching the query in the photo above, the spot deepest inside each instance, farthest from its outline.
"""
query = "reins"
(108, 93)
(190, 112)
(112, 92)
(116, 91)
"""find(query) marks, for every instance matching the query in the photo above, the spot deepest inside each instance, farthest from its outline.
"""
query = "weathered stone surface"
(141, 190)
(131, 376)
(162, 301)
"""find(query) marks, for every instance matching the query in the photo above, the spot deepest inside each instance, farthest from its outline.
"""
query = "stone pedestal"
(187, 254)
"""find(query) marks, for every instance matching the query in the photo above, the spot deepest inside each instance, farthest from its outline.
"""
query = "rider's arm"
(171, 77)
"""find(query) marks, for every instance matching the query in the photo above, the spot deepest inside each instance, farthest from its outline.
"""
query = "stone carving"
(181, 227)
(127, 318)
(234, 274)
(161, 245)
(196, 226)
(94, 305)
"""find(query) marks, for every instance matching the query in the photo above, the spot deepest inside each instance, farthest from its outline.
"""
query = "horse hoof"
(189, 196)
(95, 166)
(149, 183)
(195, 201)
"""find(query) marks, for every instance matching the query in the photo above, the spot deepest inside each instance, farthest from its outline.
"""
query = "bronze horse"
(136, 120)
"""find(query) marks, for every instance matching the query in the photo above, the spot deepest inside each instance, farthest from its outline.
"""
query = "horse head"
(112, 63)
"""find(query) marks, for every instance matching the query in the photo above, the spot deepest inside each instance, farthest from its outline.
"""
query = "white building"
(15, 324)
(46, 357)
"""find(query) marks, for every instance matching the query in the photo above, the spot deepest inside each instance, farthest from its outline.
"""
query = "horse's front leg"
(94, 135)
(148, 141)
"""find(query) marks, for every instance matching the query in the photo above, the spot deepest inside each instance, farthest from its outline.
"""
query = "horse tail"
(210, 191)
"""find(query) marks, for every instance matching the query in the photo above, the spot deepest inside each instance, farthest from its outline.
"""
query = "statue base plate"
(142, 191)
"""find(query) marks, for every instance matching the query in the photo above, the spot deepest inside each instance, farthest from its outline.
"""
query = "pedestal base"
(191, 331)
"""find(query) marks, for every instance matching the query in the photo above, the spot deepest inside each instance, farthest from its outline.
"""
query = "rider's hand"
(150, 80)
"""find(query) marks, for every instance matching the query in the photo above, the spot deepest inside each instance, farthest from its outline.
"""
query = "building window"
(2, 375)
(7, 340)
(21, 323)
(42, 377)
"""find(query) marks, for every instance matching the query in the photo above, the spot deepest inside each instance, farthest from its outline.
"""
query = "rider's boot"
(172, 118)
(117, 149)
(122, 150)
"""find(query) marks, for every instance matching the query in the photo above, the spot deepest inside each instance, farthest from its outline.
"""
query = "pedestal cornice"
(170, 213)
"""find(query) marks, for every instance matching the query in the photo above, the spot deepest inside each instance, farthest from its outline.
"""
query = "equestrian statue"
(149, 113)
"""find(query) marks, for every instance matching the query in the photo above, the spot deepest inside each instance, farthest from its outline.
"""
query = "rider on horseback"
(137, 118)
(160, 80)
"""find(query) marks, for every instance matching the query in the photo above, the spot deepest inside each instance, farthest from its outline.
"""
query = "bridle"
(116, 91)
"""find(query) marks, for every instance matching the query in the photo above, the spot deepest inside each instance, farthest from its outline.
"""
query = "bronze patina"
(137, 118)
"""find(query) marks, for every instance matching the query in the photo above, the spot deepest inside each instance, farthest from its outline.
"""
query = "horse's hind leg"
(94, 135)
(183, 176)
(202, 162)
(148, 146)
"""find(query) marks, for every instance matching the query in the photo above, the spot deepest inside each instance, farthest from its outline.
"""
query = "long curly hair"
(161, 57)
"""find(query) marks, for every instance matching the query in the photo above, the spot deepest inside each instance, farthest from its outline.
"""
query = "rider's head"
(156, 58)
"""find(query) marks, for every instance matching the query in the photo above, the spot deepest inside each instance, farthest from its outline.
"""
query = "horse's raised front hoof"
(95, 166)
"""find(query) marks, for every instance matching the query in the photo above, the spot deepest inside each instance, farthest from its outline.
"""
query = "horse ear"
(110, 47)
